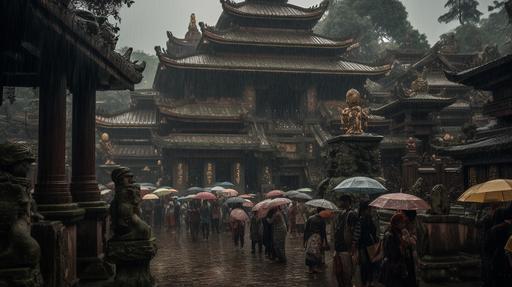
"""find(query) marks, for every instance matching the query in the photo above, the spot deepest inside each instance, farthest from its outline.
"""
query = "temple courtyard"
(216, 262)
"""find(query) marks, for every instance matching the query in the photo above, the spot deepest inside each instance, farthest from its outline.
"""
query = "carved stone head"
(353, 98)
(15, 159)
(122, 176)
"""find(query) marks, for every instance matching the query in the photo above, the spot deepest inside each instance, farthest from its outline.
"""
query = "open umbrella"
(261, 208)
(248, 203)
(305, 189)
(229, 192)
(150, 196)
(327, 213)
(247, 196)
(360, 184)
(400, 201)
(164, 191)
(217, 188)
(239, 214)
(186, 198)
(225, 184)
(274, 193)
(497, 190)
(301, 196)
(276, 202)
(290, 193)
(195, 189)
(234, 200)
(205, 196)
(323, 203)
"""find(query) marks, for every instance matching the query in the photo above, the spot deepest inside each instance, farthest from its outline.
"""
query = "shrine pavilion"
(241, 103)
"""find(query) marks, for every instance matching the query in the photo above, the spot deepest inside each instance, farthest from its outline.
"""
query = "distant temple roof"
(416, 102)
(486, 76)
(134, 151)
(274, 9)
(129, 119)
(218, 111)
(272, 37)
(208, 141)
(497, 143)
(272, 63)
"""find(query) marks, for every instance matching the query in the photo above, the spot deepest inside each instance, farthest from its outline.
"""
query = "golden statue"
(354, 118)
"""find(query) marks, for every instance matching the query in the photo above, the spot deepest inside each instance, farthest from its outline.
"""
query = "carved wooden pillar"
(238, 175)
(209, 173)
(52, 189)
(84, 187)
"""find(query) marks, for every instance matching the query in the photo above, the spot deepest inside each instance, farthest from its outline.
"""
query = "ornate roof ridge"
(217, 35)
(310, 12)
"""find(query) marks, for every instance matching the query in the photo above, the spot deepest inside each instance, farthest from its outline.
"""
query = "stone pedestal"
(348, 156)
(132, 260)
(20, 277)
(451, 252)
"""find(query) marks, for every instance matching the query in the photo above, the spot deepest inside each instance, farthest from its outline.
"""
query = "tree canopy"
(465, 11)
(369, 22)
(103, 8)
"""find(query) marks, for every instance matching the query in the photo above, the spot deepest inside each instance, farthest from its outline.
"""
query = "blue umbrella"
(225, 184)
(360, 184)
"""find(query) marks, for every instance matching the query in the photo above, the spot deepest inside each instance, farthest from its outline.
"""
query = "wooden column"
(209, 173)
(84, 187)
(52, 189)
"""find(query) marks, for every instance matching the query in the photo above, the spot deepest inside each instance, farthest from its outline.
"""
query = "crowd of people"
(387, 255)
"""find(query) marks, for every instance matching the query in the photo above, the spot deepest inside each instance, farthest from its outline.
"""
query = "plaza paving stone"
(216, 262)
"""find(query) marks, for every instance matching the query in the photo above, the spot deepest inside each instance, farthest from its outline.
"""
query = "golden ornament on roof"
(354, 118)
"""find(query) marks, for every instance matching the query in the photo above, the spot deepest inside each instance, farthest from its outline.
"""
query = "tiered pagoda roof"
(128, 119)
(272, 63)
(272, 37)
(208, 141)
(204, 110)
(276, 47)
(273, 11)
(418, 102)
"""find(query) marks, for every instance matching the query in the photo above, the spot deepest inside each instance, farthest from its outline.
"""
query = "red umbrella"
(205, 196)
(274, 193)
(400, 201)
(261, 208)
(276, 202)
(239, 214)
(248, 203)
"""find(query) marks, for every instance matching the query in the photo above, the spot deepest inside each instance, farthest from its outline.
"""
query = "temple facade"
(250, 100)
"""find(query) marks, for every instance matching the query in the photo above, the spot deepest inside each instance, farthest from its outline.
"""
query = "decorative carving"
(209, 173)
(411, 145)
(238, 173)
(419, 86)
(267, 175)
(19, 252)
(354, 118)
(439, 200)
(419, 188)
(107, 148)
(193, 33)
(125, 212)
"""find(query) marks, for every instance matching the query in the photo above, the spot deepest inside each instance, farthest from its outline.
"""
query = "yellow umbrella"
(497, 190)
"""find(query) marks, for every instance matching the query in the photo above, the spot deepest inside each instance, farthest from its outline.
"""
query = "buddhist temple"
(250, 101)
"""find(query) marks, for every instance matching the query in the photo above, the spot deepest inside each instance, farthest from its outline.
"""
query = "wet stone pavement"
(216, 262)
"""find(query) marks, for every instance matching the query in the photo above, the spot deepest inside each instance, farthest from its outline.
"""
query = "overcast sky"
(143, 25)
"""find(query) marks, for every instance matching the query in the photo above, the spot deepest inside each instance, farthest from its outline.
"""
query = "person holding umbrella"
(346, 235)
(237, 219)
(394, 270)
(256, 233)
(315, 241)
(368, 238)
(205, 219)
(277, 219)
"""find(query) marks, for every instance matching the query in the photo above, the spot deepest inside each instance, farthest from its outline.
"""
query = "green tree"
(368, 22)
(465, 11)
(105, 8)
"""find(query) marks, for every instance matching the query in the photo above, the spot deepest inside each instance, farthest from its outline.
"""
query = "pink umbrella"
(400, 201)
(261, 208)
(229, 192)
(239, 214)
(248, 203)
(274, 193)
(205, 196)
(276, 202)
(247, 196)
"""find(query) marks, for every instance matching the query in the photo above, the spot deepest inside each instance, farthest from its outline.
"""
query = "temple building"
(252, 101)
(488, 154)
